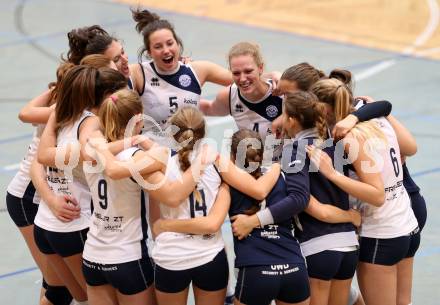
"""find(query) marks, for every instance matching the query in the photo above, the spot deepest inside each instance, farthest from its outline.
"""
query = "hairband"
(114, 98)
(339, 87)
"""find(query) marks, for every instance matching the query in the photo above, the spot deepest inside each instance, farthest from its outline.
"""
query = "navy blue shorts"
(384, 251)
(21, 210)
(328, 265)
(212, 276)
(128, 278)
(414, 243)
(261, 284)
(418, 205)
(63, 243)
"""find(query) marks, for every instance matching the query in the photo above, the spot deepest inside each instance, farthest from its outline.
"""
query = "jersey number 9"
(102, 194)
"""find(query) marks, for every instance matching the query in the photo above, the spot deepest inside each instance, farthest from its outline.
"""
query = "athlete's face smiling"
(117, 54)
(245, 73)
(164, 50)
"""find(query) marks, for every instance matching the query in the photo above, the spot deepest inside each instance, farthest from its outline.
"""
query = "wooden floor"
(405, 26)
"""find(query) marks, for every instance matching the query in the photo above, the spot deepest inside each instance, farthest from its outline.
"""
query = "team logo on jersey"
(272, 111)
(155, 82)
(239, 108)
(185, 80)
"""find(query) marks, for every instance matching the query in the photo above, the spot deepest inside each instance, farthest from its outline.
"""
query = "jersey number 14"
(197, 205)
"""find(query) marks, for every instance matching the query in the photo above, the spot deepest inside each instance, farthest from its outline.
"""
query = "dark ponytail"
(85, 41)
(344, 76)
(252, 155)
(147, 23)
(143, 18)
(76, 94)
(303, 74)
(307, 110)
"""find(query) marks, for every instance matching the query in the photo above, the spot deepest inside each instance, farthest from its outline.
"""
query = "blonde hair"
(307, 110)
(116, 112)
(191, 125)
(336, 94)
(369, 130)
(246, 48)
(96, 61)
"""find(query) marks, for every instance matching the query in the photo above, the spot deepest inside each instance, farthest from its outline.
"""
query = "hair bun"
(342, 75)
(143, 18)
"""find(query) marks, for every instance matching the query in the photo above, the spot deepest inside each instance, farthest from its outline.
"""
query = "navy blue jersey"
(408, 182)
(303, 182)
(256, 115)
(328, 193)
(272, 244)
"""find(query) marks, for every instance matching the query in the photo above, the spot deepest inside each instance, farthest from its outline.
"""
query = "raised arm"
(210, 72)
(298, 196)
(367, 112)
(368, 189)
(137, 77)
(373, 110)
(246, 183)
(219, 106)
(90, 132)
(37, 111)
(47, 150)
(173, 193)
(142, 163)
(275, 76)
(407, 143)
(199, 225)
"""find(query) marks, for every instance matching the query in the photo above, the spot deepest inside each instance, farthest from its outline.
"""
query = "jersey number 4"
(196, 205)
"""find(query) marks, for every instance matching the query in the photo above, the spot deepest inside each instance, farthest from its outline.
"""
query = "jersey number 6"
(395, 162)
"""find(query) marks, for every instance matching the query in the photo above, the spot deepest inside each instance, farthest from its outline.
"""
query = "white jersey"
(179, 251)
(118, 227)
(21, 185)
(164, 93)
(257, 116)
(395, 217)
(61, 184)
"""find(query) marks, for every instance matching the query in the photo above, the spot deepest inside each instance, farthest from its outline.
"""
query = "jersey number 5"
(173, 104)
(102, 194)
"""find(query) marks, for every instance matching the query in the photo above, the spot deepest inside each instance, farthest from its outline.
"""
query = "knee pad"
(58, 295)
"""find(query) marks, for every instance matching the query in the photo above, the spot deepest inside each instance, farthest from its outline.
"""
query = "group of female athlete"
(337, 198)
